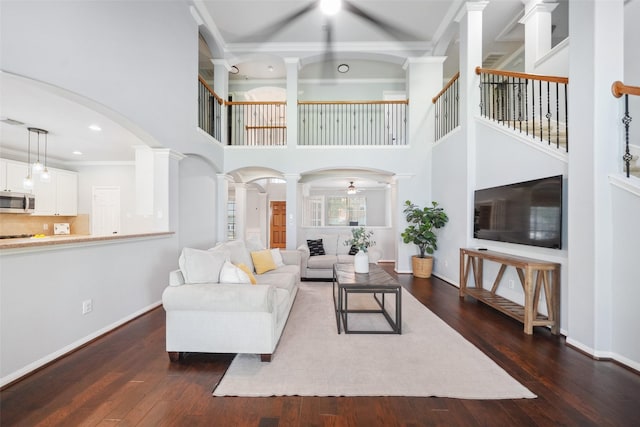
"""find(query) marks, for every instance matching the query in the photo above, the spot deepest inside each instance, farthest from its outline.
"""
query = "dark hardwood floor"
(126, 378)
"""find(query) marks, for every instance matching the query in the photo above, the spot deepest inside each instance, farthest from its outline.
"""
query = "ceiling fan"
(351, 189)
(330, 8)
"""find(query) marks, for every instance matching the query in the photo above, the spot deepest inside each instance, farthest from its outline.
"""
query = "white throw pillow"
(277, 257)
(232, 274)
(198, 266)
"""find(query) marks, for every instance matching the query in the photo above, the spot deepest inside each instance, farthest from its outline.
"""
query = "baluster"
(557, 116)
(626, 120)
(566, 117)
(548, 115)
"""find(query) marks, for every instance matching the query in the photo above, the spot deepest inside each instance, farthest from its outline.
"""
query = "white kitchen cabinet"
(11, 176)
(59, 196)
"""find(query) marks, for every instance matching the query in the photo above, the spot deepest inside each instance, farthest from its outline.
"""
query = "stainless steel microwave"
(11, 202)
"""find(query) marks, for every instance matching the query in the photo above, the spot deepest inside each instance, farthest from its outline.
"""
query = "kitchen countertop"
(33, 242)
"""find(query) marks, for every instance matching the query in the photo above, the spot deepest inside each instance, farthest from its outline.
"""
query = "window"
(231, 220)
(314, 211)
(346, 211)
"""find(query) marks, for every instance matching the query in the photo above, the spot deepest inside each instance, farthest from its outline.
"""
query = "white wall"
(137, 62)
(41, 308)
(119, 175)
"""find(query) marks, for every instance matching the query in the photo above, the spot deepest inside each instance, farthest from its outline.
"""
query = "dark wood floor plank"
(125, 378)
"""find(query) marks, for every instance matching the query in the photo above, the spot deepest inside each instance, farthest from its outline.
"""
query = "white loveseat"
(209, 312)
(321, 266)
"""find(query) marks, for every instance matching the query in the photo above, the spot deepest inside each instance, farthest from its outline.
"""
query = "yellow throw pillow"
(263, 261)
(246, 269)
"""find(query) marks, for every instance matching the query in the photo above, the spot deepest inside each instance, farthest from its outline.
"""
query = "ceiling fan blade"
(275, 27)
(393, 30)
(327, 67)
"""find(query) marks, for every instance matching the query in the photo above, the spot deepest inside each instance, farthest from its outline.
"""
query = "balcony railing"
(209, 110)
(531, 104)
(352, 123)
(447, 108)
(258, 123)
(619, 89)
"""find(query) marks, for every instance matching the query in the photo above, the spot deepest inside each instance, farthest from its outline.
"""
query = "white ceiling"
(67, 119)
(232, 29)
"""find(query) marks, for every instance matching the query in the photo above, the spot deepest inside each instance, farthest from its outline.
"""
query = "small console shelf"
(534, 275)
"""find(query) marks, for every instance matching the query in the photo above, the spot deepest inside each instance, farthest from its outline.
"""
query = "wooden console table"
(547, 275)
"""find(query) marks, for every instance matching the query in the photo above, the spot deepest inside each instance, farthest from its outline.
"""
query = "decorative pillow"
(315, 247)
(232, 274)
(198, 266)
(249, 273)
(353, 250)
(263, 261)
(277, 257)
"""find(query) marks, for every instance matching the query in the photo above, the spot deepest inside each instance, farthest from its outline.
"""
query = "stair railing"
(447, 108)
(531, 104)
(352, 123)
(209, 110)
(618, 89)
(258, 123)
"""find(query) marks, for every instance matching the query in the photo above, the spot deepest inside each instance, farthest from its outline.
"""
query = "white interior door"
(105, 211)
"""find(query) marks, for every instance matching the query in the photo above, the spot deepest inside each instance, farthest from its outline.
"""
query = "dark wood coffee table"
(378, 283)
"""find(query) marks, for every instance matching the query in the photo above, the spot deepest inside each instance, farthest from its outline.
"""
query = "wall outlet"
(87, 306)
(45, 227)
(512, 284)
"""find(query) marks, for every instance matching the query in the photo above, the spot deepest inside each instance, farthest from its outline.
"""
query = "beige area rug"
(428, 359)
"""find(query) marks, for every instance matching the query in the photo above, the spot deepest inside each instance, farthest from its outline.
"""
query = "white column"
(241, 210)
(165, 172)
(470, 20)
(292, 209)
(402, 189)
(537, 31)
(292, 65)
(597, 60)
(221, 70)
(223, 181)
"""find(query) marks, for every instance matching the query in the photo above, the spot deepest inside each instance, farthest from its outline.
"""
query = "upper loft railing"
(447, 108)
(619, 89)
(352, 123)
(531, 104)
(258, 123)
(209, 110)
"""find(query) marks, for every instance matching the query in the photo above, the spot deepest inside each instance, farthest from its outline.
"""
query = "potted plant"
(361, 240)
(420, 231)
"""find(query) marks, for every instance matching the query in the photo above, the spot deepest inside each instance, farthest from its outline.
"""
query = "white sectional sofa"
(321, 266)
(209, 311)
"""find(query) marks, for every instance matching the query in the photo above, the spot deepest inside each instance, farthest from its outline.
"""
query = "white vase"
(361, 262)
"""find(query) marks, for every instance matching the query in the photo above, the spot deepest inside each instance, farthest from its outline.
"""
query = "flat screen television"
(527, 213)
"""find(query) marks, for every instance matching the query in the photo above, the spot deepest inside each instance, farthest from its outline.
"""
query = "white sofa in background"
(209, 312)
(321, 266)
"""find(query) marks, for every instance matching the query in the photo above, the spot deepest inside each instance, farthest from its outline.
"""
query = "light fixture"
(37, 166)
(343, 68)
(27, 182)
(95, 128)
(330, 7)
(351, 189)
(77, 153)
(234, 70)
(45, 176)
(270, 68)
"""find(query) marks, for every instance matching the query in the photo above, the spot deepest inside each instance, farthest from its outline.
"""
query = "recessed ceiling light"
(234, 70)
(95, 128)
(270, 68)
(77, 153)
(343, 68)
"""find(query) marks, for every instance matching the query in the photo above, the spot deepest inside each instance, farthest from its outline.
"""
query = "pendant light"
(37, 166)
(27, 182)
(45, 176)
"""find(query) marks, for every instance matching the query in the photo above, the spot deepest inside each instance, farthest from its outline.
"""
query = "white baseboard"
(73, 346)
(603, 354)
